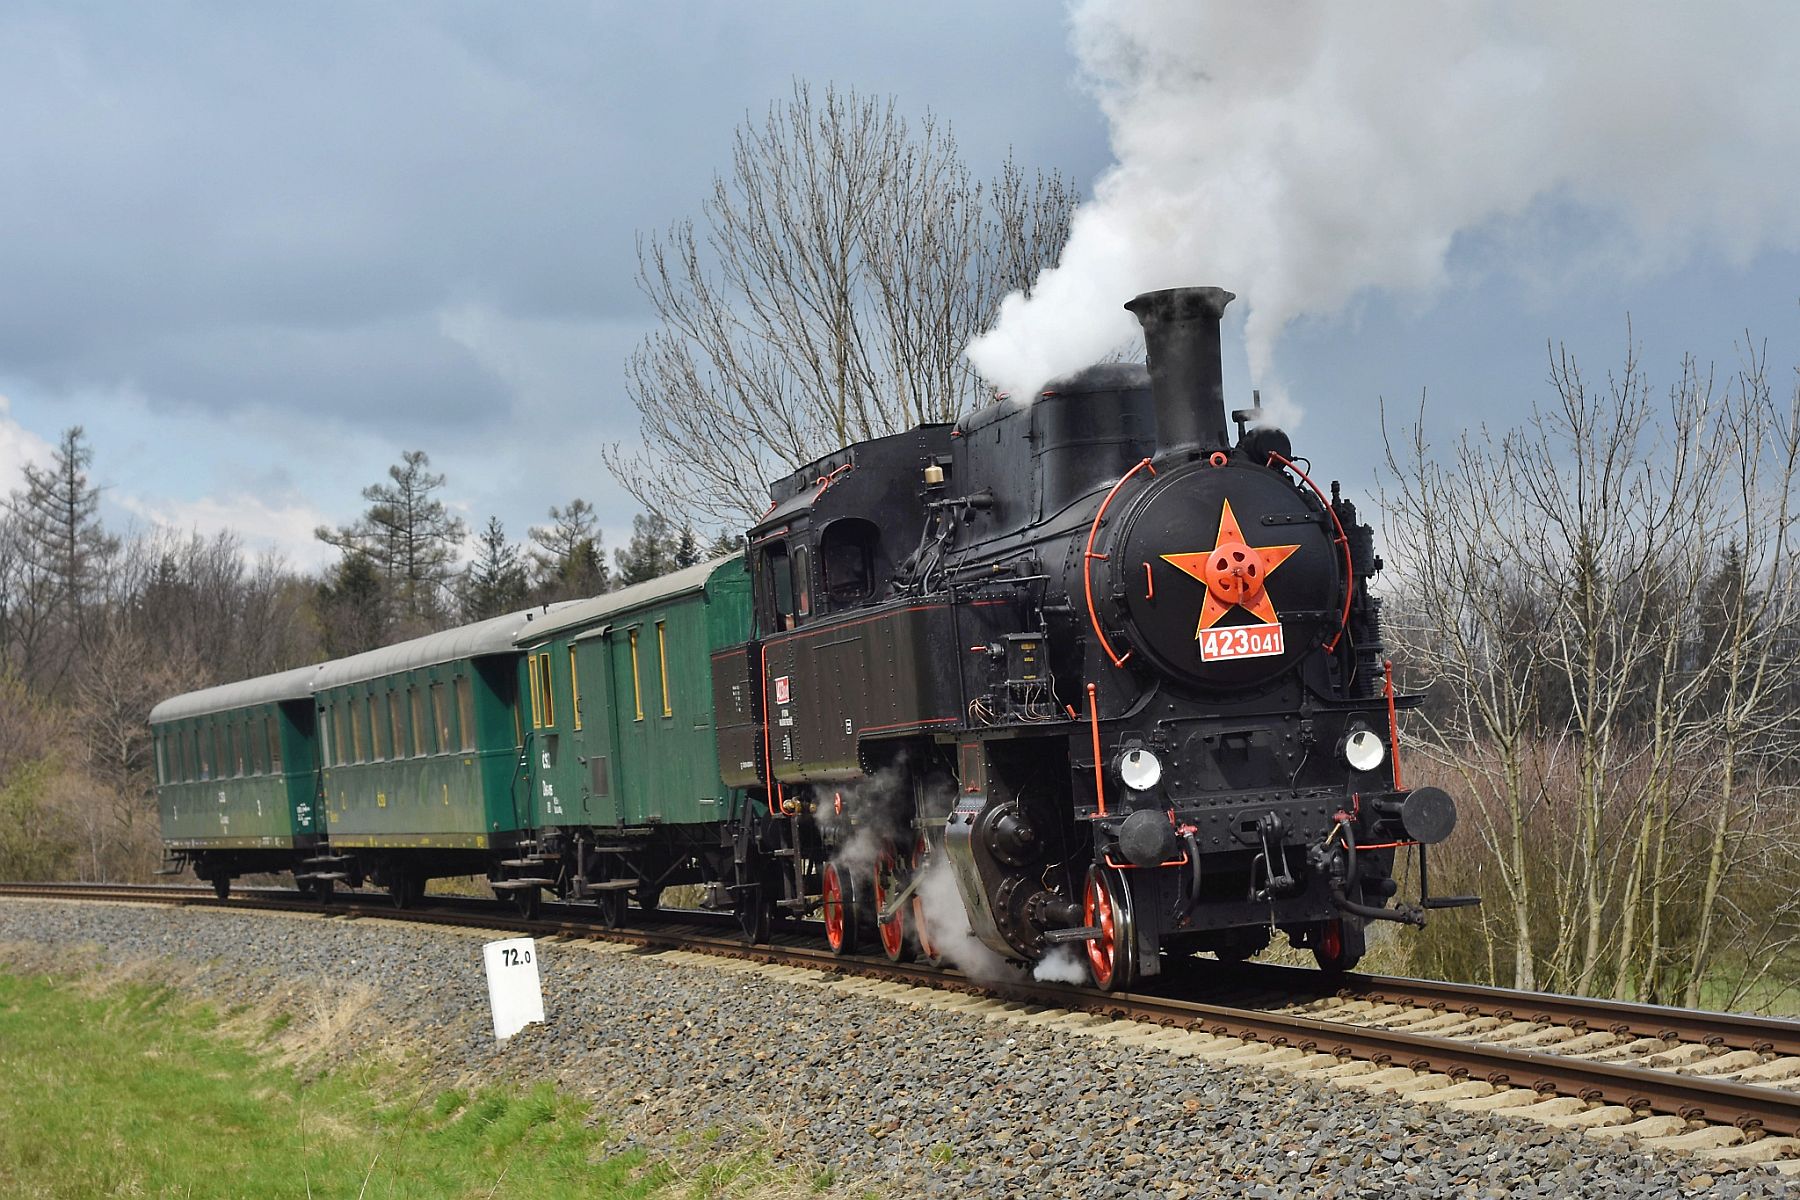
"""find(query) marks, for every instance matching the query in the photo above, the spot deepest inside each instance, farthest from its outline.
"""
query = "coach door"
(593, 741)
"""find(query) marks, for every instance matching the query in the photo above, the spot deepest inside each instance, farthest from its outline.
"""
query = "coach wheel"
(838, 907)
(222, 886)
(528, 902)
(649, 898)
(929, 950)
(321, 890)
(615, 907)
(1112, 952)
(1338, 948)
(888, 883)
(405, 888)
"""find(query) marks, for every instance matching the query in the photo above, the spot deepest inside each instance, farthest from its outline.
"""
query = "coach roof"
(246, 693)
(586, 612)
(492, 636)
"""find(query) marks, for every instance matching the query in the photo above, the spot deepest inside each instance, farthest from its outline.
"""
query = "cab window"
(780, 582)
(802, 585)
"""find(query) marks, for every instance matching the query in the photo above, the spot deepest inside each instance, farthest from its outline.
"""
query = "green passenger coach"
(235, 773)
(419, 746)
(568, 749)
(618, 729)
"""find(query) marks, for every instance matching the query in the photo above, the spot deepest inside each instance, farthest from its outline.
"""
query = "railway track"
(1728, 1084)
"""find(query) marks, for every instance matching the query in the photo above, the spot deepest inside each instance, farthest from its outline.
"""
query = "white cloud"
(18, 446)
(263, 526)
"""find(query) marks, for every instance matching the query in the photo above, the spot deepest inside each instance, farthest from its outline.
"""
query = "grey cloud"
(227, 205)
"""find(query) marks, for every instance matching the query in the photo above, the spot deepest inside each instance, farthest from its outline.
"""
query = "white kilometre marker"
(514, 991)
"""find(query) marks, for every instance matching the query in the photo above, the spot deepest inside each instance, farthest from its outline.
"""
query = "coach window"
(221, 753)
(397, 720)
(574, 693)
(359, 728)
(273, 732)
(440, 711)
(537, 691)
(637, 687)
(546, 701)
(465, 707)
(253, 748)
(421, 727)
(162, 767)
(379, 726)
(662, 662)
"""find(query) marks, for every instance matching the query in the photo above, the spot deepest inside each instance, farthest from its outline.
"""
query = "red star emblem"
(1234, 573)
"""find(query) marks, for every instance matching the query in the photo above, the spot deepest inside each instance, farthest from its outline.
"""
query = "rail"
(1748, 1106)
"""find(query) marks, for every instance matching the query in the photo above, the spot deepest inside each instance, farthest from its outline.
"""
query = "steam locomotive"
(1082, 676)
(1118, 670)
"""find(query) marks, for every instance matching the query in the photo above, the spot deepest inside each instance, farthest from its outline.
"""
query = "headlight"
(1364, 750)
(1140, 770)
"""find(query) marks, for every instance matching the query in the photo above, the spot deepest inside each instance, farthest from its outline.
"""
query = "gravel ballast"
(909, 1101)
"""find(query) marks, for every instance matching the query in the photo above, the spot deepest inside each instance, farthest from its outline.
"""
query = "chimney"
(1187, 382)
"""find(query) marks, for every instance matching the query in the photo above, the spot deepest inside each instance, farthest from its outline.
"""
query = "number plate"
(1240, 641)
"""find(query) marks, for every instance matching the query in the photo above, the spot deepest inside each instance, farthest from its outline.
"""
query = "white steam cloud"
(947, 923)
(1303, 153)
(1064, 964)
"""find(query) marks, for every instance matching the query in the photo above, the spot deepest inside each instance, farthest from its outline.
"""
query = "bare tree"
(1606, 596)
(57, 559)
(837, 273)
(568, 559)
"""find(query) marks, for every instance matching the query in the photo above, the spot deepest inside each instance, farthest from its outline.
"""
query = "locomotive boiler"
(1100, 656)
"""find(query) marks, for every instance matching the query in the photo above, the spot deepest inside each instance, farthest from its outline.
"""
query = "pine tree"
(650, 553)
(726, 543)
(567, 559)
(352, 604)
(687, 548)
(494, 582)
(409, 536)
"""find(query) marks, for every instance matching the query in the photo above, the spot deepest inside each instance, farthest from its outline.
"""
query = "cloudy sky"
(258, 250)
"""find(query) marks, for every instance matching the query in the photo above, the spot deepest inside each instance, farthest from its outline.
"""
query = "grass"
(125, 1088)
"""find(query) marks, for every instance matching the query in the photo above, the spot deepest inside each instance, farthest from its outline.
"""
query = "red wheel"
(1112, 952)
(888, 883)
(838, 910)
(928, 947)
(1331, 941)
(1334, 949)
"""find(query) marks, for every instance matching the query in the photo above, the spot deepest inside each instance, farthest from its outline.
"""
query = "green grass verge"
(131, 1090)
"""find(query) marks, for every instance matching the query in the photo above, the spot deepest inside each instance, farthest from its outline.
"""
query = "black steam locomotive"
(1111, 669)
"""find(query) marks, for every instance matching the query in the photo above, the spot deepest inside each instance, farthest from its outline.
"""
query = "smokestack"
(1187, 380)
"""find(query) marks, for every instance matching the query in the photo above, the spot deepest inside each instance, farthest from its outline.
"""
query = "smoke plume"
(1304, 153)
